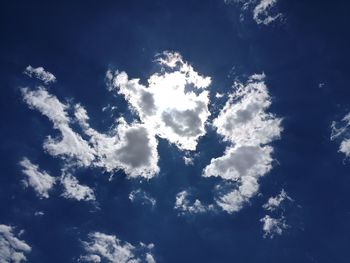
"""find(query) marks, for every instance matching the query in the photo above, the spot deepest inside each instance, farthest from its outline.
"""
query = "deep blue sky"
(79, 40)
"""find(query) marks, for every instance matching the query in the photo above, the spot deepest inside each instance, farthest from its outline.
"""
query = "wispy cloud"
(40, 73)
(108, 248)
(41, 181)
(12, 249)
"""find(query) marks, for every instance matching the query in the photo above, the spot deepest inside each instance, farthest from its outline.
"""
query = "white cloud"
(150, 258)
(70, 144)
(131, 148)
(108, 248)
(174, 105)
(219, 95)
(74, 190)
(261, 12)
(275, 202)
(12, 249)
(340, 130)
(183, 205)
(245, 124)
(273, 226)
(188, 160)
(41, 181)
(40, 73)
(244, 120)
(142, 197)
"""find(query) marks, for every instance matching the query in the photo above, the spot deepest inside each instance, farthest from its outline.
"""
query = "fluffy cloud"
(340, 130)
(41, 181)
(273, 226)
(12, 249)
(174, 105)
(74, 190)
(247, 126)
(40, 73)
(70, 144)
(142, 197)
(184, 206)
(108, 248)
(275, 202)
(132, 148)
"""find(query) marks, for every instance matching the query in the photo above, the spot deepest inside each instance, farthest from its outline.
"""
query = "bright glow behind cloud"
(174, 105)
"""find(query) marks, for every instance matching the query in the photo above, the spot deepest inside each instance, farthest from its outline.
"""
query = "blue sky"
(174, 131)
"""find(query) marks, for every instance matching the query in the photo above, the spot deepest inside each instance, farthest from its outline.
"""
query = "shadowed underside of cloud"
(247, 126)
(12, 249)
(108, 248)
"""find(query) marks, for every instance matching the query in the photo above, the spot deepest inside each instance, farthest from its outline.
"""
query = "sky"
(174, 131)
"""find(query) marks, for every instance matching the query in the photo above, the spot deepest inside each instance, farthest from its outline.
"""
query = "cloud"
(247, 127)
(273, 226)
(188, 160)
(70, 144)
(108, 248)
(239, 162)
(130, 147)
(142, 197)
(41, 181)
(340, 130)
(261, 12)
(275, 202)
(12, 249)
(74, 190)
(40, 73)
(174, 104)
(183, 205)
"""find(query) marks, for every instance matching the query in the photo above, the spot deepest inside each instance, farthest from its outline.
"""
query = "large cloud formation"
(247, 126)
(174, 106)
